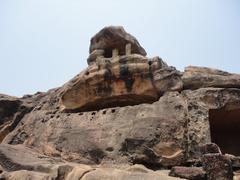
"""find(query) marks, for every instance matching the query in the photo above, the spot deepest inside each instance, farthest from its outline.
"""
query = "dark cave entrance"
(225, 129)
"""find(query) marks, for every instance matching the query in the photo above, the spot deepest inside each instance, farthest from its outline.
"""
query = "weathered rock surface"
(192, 173)
(19, 157)
(122, 111)
(115, 37)
(201, 77)
(210, 148)
(21, 163)
(81, 172)
(118, 74)
(12, 110)
(202, 104)
(151, 134)
(121, 81)
(217, 166)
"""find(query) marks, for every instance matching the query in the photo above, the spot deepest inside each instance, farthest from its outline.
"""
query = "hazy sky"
(44, 43)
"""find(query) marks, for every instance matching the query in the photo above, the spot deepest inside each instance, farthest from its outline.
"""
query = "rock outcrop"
(21, 163)
(125, 80)
(125, 77)
(126, 116)
(201, 77)
(12, 110)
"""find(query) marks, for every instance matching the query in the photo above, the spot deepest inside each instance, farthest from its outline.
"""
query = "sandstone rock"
(203, 105)
(200, 77)
(217, 166)
(167, 79)
(24, 163)
(119, 74)
(25, 175)
(170, 154)
(127, 134)
(94, 55)
(112, 83)
(127, 80)
(116, 174)
(87, 173)
(12, 110)
(115, 37)
(192, 173)
(124, 109)
(18, 157)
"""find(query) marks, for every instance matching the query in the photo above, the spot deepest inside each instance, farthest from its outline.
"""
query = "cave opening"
(225, 129)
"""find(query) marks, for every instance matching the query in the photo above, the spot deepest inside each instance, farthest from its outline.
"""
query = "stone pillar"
(114, 53)
(128, 49)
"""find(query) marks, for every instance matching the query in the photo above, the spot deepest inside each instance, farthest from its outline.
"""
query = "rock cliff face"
(125, 117)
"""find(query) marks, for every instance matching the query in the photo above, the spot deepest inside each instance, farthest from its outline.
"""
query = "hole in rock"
(225, 129)
(108, 53)
(109, 149)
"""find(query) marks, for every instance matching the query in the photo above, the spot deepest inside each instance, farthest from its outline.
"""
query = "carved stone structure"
(123, 112)
(120, 79)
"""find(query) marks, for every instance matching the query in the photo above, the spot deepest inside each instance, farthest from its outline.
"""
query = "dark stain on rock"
(8, 109)
(103, 89)
(131, 144)
(126, 76)
(19, 138)
(96, 155)
(139, 151)
(109, 149)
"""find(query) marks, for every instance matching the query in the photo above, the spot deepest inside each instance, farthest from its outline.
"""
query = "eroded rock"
(115, 37)
(12, 110)
(192, 173)
(128, 134)
(210, 148)
(217, 166)
(200, 77)
(126, 80)
(124, 109)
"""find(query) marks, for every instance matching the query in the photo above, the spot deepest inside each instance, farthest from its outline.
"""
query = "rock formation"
(126, 77)
(126, 116)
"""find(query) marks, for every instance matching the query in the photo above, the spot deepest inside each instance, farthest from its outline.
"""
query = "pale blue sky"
(44, 43)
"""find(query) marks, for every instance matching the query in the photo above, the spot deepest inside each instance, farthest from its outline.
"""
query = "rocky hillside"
(125, 117)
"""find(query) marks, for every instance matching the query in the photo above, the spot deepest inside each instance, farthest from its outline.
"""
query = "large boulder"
(200, 77)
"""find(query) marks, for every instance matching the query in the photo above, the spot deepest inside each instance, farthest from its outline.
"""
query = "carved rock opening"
(225, 129)
(107, 53)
